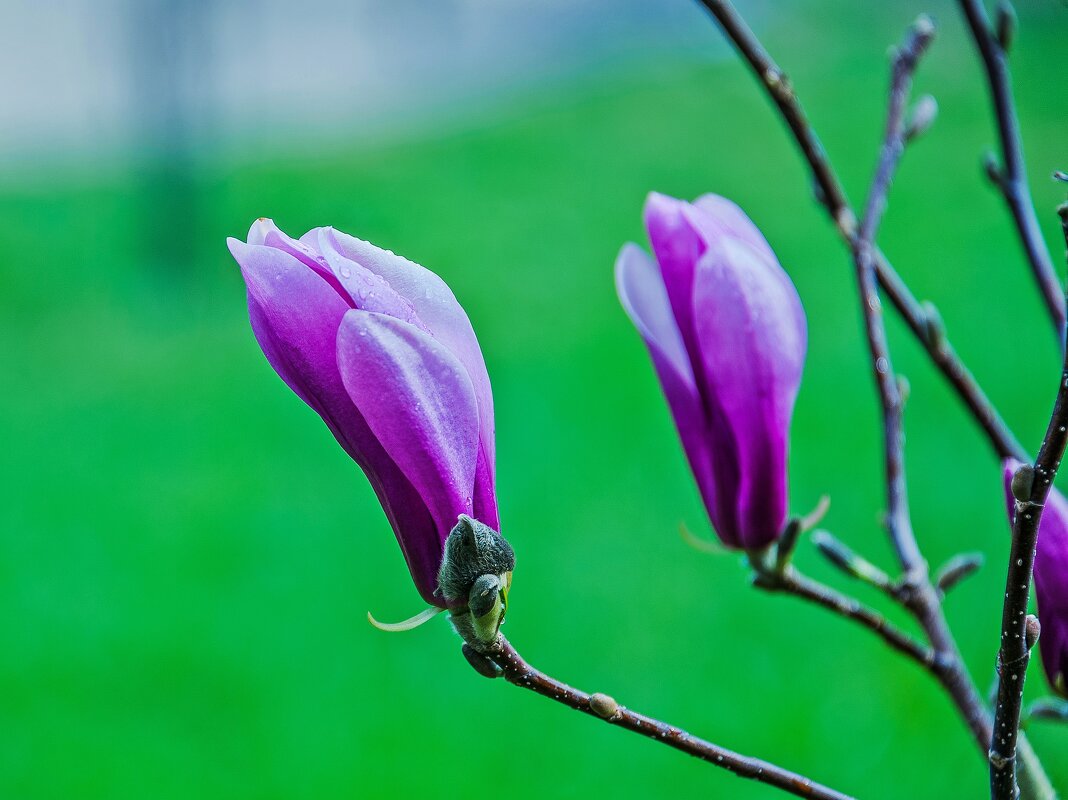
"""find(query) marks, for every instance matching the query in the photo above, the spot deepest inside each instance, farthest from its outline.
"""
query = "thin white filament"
(699, 544)
(409, 624)
(816, 515)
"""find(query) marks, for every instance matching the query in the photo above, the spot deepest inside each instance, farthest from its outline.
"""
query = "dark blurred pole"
(169, 71)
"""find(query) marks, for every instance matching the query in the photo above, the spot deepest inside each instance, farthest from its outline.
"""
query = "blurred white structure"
(84, 78)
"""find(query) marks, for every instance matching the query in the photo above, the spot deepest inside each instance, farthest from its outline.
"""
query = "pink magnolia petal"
(295, 315)
(677, 248)
(644, 298)
(752, 335)
(418, 401)
(438, 310)
(716, 217)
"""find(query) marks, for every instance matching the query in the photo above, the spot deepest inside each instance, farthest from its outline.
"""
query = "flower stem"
(519, 673)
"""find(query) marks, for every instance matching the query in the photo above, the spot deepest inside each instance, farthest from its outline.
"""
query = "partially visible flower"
(727, 335)
(381, 350)
(1051, 580)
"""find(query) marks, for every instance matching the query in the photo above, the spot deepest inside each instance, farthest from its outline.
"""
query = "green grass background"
(187, 558)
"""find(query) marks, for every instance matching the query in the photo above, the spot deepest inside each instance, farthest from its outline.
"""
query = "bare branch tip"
(924, 26)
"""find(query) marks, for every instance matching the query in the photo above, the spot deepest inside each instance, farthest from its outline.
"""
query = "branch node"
(998, 761)
(846, 221)
(778, 84)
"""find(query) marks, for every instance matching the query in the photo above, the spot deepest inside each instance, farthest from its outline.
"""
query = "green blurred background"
(187, 557)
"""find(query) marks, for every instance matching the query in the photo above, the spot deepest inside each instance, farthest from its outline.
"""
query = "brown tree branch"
(922, 320)
(1015, 651)
(926, 325)
(1011, 179)
(518, 672)
(789, 581)
(918, 594)
(921, 597)
(898, 518)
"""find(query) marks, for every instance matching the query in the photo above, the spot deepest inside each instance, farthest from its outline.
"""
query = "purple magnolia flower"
(727, 335)
(381, 350)
(1051, 581)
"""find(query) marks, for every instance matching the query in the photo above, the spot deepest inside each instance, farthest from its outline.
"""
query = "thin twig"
(921, 320)
(520, 673)
(790, 581)
(898, 519)
(920, 595)
(1012, 178)
(1014, 653)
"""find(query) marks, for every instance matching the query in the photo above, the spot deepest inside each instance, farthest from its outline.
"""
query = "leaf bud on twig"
(603, 706)
(1023, 480)
(957, 569)
(1049, 708)
(923, 116)
(933, 325)
(1032, 630)
(839, 554)
(992, 169)
(1005, 24)
(904, 388)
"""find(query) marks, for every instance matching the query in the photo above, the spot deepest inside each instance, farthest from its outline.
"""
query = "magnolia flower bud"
(381, 350)
(727, 336)
(475, 575)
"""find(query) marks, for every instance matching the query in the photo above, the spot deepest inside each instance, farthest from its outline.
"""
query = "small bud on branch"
(1023, 480)
(1005, 24)
(922, 117)
(1049, 708)
(993, 169)
(841, 556)
(1033, 629)
(956, 570)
